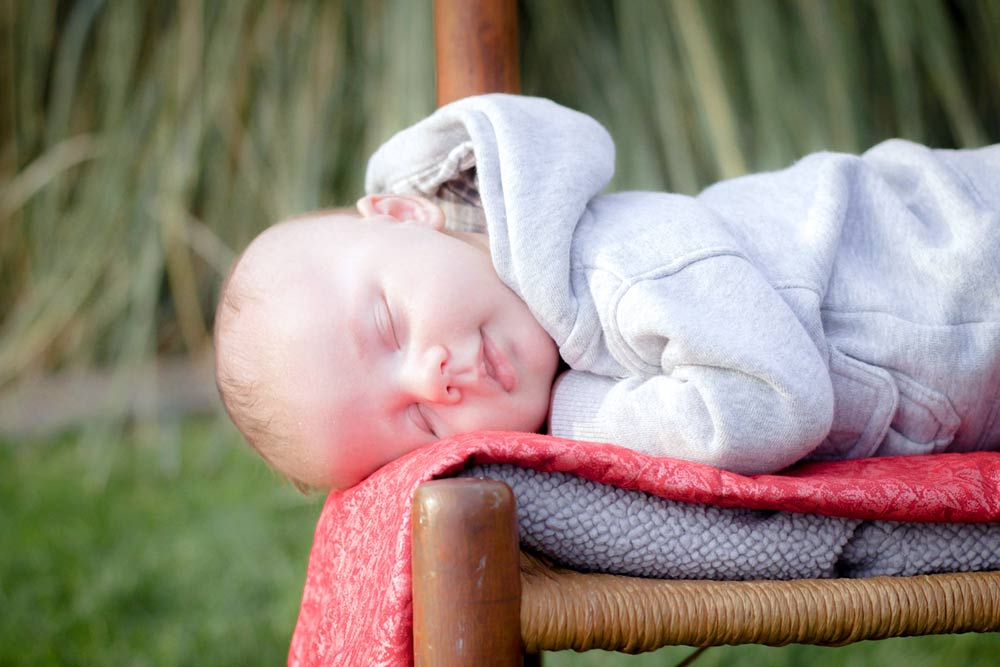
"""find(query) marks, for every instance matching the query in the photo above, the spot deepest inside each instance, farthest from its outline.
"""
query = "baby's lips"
(497, 365)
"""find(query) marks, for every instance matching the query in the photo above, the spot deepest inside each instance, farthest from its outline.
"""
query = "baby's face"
(383, 336)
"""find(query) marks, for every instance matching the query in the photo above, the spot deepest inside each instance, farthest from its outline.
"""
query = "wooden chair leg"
(466, 575)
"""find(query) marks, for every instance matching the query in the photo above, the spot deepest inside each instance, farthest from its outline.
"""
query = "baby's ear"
(404, 208)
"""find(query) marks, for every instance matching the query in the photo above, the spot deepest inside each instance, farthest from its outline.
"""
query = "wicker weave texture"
(562, 609)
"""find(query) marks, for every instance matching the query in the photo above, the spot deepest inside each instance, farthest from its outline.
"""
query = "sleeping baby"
(847, 306)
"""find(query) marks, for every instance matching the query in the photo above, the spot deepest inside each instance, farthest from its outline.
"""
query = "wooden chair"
(478, 600)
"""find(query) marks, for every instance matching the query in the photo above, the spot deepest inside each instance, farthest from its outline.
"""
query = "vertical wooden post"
(466, 575)
(475, 43)
(466, 556)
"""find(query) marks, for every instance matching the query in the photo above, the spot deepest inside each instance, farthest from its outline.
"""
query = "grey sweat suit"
(846, 306)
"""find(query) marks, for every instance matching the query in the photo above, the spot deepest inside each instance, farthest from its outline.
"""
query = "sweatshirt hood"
(537, 165)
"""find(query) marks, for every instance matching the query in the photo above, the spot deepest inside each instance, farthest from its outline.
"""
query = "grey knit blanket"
(597, 528)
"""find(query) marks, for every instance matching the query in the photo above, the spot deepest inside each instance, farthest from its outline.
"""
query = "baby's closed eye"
(385, 324)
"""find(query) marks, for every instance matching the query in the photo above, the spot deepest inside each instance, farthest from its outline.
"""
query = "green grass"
(201, 566)
(940, 651)
(180, 548)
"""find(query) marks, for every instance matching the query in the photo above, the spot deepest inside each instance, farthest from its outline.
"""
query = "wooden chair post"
(466, 553)
(466, 575)
(475, 43)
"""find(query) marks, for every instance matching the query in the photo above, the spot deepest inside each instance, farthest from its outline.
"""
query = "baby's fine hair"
(247, 401)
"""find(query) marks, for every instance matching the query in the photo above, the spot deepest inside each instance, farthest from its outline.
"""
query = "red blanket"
(356, 604)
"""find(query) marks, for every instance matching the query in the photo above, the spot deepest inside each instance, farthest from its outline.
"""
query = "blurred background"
(143, 144)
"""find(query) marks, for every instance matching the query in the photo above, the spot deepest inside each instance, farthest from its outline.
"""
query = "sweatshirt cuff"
(576, 404)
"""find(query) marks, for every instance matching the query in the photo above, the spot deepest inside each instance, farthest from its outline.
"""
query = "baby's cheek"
(529, 410)
(539, 407)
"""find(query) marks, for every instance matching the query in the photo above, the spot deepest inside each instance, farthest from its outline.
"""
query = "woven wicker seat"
(562, 609)
(478, 600)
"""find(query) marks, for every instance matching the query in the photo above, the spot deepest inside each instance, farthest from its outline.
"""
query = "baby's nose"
(428, 376)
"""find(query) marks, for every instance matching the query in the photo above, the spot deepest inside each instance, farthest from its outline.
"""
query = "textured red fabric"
(356, 607)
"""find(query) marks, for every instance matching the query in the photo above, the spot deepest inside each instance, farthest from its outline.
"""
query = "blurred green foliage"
(143, 144)
(202, 566)
(935, 651)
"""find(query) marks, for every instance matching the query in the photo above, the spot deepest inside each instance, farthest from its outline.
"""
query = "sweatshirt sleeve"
(731, 377)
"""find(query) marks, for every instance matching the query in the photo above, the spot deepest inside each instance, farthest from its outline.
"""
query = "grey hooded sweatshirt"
(844, 307)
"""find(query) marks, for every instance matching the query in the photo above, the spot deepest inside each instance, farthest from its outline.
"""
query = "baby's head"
(344, 342)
